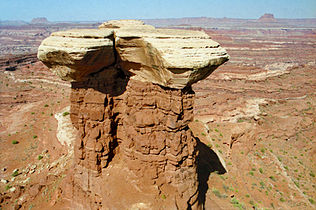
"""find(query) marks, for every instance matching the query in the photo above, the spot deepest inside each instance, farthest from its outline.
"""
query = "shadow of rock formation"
(208, 162)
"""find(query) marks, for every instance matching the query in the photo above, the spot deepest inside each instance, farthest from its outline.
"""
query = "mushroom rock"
(134, 148)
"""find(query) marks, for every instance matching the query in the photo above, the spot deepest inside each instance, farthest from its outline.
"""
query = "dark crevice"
(114, 143)
(114, 50)
(112, 151)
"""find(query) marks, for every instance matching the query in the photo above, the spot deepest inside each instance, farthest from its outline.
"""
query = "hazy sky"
(58, 10)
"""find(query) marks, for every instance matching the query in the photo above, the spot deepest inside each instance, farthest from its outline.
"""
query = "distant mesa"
(267, 18)
(40, 20)
(13, 23)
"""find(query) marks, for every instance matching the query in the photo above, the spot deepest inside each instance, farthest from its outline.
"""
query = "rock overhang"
(75, 54)
(169, 57)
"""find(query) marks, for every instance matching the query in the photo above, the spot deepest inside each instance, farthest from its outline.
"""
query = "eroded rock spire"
(132, 102)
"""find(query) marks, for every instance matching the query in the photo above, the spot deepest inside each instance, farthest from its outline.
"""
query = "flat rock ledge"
(168, 57)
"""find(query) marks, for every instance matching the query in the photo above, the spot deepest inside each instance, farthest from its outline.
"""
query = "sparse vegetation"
(262, 184)
(15, 173)
(282, 199)
(237, 204)
(15, 142)
(218, 194)
(7, 187)
(65, 114)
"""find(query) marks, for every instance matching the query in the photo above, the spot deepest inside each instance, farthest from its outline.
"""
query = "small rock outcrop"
(131, 102)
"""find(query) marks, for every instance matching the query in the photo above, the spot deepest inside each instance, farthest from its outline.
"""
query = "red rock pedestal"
(132, 102)
(137, 125)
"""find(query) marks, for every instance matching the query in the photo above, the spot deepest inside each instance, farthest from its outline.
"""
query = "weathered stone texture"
(146, 122)
(93, 105)
(74, 54)
(171, 58)
(131, 102)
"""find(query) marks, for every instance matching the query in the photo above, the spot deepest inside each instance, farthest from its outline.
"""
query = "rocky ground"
(257, 113)
(265, 133)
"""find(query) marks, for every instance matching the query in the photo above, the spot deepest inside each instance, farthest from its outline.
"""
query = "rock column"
(133, 107)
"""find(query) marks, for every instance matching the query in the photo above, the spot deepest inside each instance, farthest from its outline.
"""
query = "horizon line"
(160, 18)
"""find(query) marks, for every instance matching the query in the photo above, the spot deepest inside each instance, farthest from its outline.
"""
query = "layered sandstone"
(133, 112)
(171, 58)
(75, 54)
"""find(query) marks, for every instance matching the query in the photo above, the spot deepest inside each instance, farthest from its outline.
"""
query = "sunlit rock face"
(75, 54)
(168, 57)
(131, 102)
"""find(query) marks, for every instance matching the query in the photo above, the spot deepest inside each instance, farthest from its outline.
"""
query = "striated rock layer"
(75, 54)
(168, 57)
(133, 114)
(142, 124)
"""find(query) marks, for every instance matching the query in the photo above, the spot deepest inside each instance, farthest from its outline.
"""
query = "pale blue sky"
(72, 10)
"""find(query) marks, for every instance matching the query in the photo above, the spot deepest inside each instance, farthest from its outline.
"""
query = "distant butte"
(267, 18)
(39, 20)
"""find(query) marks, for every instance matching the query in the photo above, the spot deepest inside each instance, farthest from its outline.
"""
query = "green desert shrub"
(65, 114)
(15, 142)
